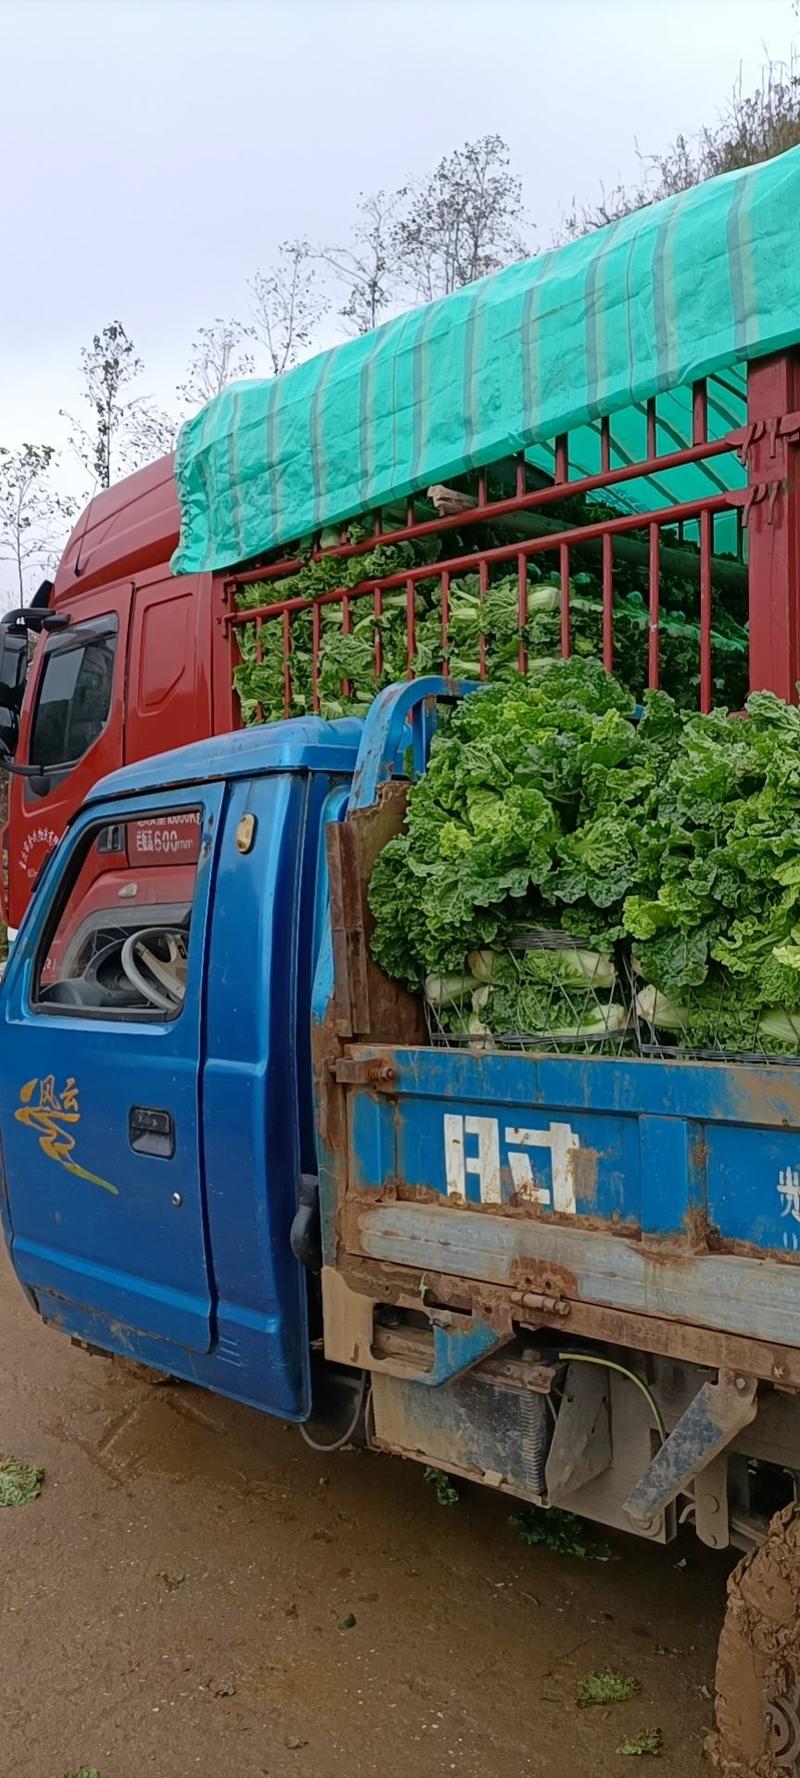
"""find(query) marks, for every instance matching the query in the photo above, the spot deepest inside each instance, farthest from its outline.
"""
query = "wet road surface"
(177, 1601)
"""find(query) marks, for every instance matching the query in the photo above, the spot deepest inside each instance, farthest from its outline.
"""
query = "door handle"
(151, 1131)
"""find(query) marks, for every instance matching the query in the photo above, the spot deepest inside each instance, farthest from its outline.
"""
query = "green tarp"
(684, 289)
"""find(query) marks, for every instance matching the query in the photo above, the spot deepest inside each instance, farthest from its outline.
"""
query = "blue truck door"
(103, 1007)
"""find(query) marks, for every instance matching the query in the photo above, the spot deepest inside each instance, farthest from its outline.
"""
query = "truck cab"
(121, 670)
(232, 1152)
(160, 1112)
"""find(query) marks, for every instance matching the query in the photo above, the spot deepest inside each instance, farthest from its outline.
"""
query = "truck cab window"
(118, 944)
(74, 693)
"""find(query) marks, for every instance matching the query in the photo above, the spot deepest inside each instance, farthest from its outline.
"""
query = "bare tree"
(33, 515)
(108, 367)
(367, 269)
(467, 219)
(219, 355)
(287, 304)
(150, 432)
(753, 127)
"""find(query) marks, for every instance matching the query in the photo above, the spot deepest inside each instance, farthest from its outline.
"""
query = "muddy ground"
(178, 1602)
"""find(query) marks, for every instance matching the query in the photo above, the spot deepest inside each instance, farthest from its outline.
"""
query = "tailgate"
(660, 1189)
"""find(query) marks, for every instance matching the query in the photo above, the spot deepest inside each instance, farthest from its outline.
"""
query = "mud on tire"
(758, 1661)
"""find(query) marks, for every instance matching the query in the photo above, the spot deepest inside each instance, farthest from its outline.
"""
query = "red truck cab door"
(128, 678)
(73, 729)
(168, 699)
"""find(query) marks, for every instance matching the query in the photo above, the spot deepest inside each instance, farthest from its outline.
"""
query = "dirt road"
(178, 1602)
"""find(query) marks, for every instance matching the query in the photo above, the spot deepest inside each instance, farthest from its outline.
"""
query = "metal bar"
(773, 385)
(563, 562)
(496, 509)
(444, 607)
(411, 625)
(562, 458)
(483, 577)
(482, 488)
(654, 597)
(700, 412)
(522, 608)
(652, 430)
(605, 445)
(259, 658)
(519, 479)
(377, 607)
(346, 683)
(608, 604)
(576, 536)
(706, 680)
(287, 663)
(316, 626)
(708, 1425)
(520, 502)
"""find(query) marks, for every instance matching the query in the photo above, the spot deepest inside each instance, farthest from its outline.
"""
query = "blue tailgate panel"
(645, 1145)
(664, 1188)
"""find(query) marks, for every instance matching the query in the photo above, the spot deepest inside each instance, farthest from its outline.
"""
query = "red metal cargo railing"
(764, 502)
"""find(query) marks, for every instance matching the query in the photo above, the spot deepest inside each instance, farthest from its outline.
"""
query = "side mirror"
(9, 733)
(13, 674)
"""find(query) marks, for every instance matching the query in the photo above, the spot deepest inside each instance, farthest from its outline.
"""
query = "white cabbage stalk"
(444, 990)
(661, 1012)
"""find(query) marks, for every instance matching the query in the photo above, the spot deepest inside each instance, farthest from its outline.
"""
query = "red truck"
(132, 660)
(672, 518)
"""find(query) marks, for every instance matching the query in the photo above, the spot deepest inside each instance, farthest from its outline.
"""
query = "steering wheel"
(160, 979)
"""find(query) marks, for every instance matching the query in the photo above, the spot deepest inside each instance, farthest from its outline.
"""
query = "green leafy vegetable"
(20, 1483)
(605, 1688)
(563, 1532)
(650, 1741)
(446, 1493)
(545, 807)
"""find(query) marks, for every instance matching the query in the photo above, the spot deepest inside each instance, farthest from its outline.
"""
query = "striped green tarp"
(690, 287)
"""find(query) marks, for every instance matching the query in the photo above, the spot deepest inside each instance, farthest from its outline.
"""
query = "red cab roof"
(122, 531)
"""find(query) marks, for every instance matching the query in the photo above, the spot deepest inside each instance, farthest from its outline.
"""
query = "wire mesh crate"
(543, 990)
(713, 1022)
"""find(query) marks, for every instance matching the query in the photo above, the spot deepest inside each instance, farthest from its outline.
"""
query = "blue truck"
(232, 1149)
(232, 1154)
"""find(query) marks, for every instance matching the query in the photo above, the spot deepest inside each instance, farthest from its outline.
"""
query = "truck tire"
(758, 1661)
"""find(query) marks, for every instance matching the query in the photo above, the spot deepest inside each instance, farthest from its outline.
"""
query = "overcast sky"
(154, 152)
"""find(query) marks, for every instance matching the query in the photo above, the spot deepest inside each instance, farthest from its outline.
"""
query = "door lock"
(151, 1131)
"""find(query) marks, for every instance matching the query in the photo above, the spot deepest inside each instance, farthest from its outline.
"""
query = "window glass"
(118, 941)
(74, 693)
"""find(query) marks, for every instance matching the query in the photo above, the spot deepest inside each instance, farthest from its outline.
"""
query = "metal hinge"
(755, 495)
(359, 1071)
(780, 426)
(538, 1302)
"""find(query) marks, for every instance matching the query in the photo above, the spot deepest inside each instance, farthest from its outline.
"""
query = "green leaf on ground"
(605, 1688)
(20, 1483)
(446, 1493)
(563, 1532)
(84, 1772)
(649, 1741)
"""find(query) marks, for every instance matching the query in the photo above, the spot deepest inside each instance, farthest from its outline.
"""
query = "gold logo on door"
(51, 1116)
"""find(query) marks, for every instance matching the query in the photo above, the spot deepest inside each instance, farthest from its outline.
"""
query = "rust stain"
(698, 1156)
(418, 1194)
(582, 1164)
(697, 1228)
(548, 1280)
(708, 1348)
(767, 1095)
